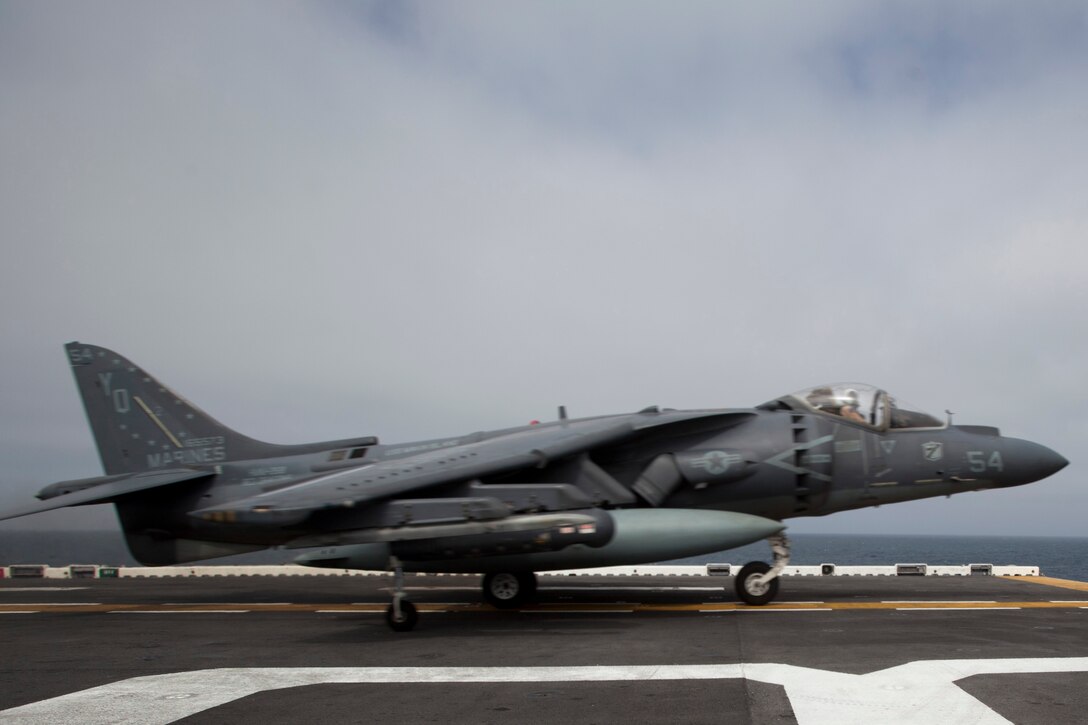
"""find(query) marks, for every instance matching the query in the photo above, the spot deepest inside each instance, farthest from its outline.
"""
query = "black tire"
(509, 590)
(408, 617)
(751, 593)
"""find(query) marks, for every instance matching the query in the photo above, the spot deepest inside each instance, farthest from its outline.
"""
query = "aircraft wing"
(523, 449)
(103, 489)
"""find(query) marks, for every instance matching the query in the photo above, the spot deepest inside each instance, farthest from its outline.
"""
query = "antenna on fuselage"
(562, 412)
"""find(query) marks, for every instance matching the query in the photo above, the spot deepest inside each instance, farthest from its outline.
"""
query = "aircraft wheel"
(507, 590)
(749, 589)
(407, 620)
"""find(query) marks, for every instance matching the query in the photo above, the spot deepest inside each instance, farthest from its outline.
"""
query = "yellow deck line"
(1051, 582)
(604, 608)
(727, 607)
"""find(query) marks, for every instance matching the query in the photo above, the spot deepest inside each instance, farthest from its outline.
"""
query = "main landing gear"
(756, 584)
(401, 616)
(509, 590)
(757, 581)
(502, 590)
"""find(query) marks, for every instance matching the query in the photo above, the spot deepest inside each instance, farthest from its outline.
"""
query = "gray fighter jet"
(620, 489)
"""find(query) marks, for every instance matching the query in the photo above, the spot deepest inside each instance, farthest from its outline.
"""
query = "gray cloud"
(412, 220)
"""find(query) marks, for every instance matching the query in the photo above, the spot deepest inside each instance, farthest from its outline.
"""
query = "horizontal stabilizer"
(104, 489)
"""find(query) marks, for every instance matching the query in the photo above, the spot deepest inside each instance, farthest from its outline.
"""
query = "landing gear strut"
(757, 582)
(401, 616)
(509, 590)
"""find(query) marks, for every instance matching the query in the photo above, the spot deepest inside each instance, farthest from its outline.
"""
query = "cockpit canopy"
(861, 403)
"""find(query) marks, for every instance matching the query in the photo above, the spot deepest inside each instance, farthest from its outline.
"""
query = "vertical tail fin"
(139, 424)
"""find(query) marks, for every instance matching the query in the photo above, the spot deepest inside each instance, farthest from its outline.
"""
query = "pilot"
(823, 399)
(849, 408)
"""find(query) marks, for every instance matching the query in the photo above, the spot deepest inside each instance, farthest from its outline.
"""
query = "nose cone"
(1026, 461)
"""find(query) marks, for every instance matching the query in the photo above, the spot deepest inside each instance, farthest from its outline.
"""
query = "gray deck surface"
(592, 650)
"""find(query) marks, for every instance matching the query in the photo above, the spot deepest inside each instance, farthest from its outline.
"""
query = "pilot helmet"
(821, 397)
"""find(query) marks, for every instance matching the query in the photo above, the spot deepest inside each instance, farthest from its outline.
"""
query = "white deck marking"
(938, 601)
(54, 604)
(632, 589)
(787, 609)
(576, 611)
(40, 589)
(178, 612)
(923, 691)
(228, 604)
(350, 611)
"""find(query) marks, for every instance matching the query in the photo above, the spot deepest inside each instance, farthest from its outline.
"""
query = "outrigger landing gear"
(509, 590)
(401, 616)
(757, 582)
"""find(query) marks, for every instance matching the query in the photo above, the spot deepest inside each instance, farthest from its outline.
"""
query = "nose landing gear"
(757, 581)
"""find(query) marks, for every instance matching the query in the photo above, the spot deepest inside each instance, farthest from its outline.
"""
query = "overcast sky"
(320, 220)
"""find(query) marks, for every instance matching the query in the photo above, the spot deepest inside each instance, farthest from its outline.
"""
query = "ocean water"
(1062, 557)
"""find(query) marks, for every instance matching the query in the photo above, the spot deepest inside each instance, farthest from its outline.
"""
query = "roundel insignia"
(716, 462)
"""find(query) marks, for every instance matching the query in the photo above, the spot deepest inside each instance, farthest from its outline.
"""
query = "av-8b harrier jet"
(619, 489)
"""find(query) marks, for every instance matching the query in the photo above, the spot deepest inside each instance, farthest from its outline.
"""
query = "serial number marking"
(208, 442)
